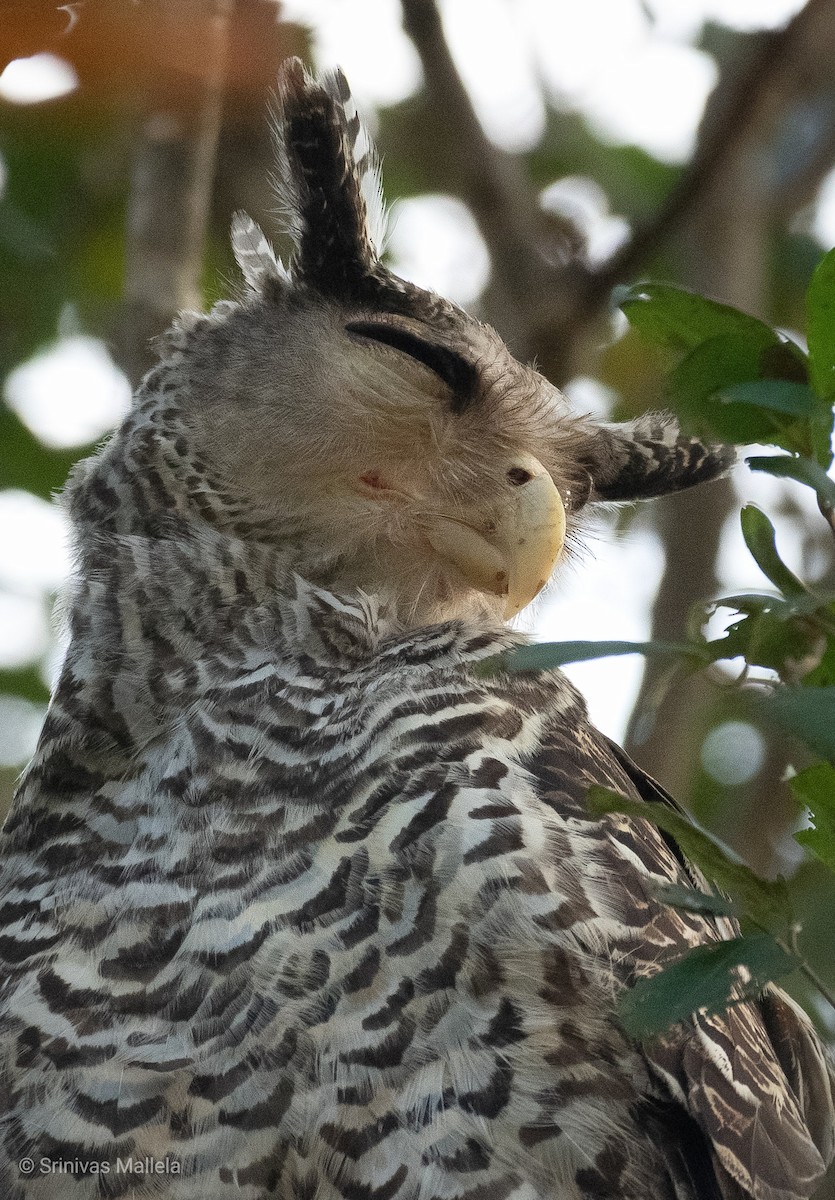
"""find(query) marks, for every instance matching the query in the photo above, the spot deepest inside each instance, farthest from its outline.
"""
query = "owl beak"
(508, 549)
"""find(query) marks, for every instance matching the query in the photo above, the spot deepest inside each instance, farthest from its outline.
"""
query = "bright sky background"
(631, 68)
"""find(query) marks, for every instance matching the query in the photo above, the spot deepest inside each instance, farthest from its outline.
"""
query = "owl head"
(384, 434)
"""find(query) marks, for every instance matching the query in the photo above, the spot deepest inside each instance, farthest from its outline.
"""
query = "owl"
(299, 901)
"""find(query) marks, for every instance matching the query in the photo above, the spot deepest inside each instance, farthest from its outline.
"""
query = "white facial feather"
(253, 253)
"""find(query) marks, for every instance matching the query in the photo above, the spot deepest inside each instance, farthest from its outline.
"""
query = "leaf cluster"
(733, 378)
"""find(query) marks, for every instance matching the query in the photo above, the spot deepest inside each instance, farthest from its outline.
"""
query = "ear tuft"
(327, 181)
(254, 254)
(366, 162)
(650, 457)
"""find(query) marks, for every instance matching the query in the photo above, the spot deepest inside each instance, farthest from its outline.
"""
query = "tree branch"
(172, 182)
(529, 248)
(551, 294)
(735, 106)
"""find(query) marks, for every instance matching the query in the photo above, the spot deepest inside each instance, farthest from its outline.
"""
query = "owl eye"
(457, 373)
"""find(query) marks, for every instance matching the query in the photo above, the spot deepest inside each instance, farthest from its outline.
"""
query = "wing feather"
(754, 1078)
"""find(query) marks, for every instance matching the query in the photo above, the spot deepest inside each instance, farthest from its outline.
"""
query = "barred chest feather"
(322, 931)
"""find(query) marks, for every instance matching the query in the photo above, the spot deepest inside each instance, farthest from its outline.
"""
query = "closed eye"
(457, 372)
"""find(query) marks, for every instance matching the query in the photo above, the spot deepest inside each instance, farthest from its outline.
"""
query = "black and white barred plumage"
(293, 898)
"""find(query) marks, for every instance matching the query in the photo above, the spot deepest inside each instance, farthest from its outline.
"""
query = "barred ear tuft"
(366, 162)
(254, 254)
(327, 181)
(650, 457)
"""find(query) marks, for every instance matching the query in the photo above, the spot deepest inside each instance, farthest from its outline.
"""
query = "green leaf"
(545, 656)
(820, 309)
(815, 787)
(768, 602)
(752, 602)
(775, 639)
(714, 369)
(820, 429)
(784, 361)
(760, 539)
(707, 978)
(794, 636)
(802, 469)
(779, 395)
(807, 712)
(739, 380)
(680, 320)
(765, 901)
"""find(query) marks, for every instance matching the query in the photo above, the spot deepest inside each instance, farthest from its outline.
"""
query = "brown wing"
(755, 1078)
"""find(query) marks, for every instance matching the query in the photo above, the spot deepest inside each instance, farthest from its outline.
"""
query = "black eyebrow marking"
(457, 372)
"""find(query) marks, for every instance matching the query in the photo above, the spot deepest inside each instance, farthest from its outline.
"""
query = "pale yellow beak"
(511, 549)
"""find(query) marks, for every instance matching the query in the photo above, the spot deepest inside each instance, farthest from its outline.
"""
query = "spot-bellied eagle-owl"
(296, 903)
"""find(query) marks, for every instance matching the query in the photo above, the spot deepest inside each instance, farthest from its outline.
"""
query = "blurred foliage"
(734, 378)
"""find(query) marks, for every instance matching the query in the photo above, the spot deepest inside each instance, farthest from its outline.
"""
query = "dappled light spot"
(590, 397)
(24, 630)
(36, 79)
(34, 544)
(823, 215)
(436, 244)
(667, 87)
(733, 753)
(383, 68)
(70, 394)
(497, 65)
